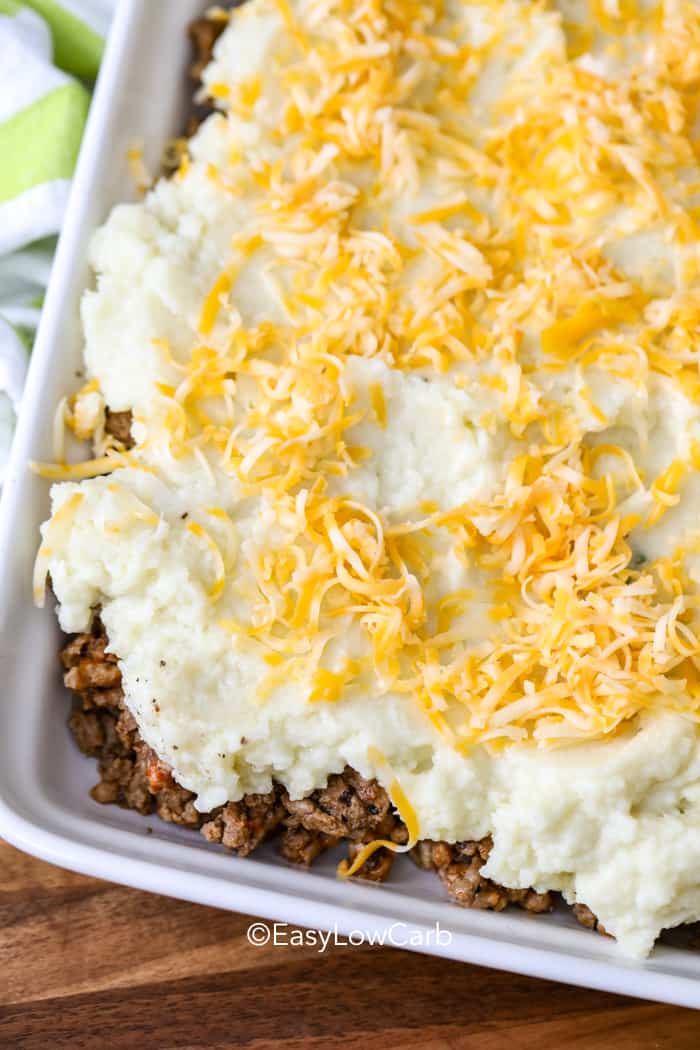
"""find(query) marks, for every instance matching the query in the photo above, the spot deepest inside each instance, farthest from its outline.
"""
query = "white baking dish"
(45, 808)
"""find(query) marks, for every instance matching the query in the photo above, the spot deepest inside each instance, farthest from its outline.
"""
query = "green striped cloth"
(50, 52)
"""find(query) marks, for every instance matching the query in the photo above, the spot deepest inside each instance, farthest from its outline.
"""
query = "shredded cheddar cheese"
(219, 574)
(89, 468)
(390, 212)
(57, 527)
(213, 302)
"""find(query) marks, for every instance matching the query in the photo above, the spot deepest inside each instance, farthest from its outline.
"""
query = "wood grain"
(84, 964)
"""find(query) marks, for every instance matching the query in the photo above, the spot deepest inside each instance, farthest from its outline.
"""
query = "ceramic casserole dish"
(45, 807)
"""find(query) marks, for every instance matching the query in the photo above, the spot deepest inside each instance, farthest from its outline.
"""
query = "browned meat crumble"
(300, 846)
(203, 33)
(585, 916)
(118, 426)
(459, 867)
(348, 809)
(242, 826)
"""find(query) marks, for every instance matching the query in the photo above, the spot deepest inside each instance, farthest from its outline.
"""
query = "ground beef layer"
(349, 810)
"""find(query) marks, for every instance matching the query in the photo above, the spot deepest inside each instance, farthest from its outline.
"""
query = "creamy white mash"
(483, 255)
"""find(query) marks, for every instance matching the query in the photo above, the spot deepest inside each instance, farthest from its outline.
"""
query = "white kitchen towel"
(50, 52)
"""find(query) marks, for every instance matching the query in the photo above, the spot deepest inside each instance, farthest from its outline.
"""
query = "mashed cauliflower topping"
(411, 342)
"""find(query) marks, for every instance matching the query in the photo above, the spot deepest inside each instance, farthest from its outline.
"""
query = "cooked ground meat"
(585, 916)
(118, 424)
(422, 855)
(242, 826)
(348, 807)
(203, 33)
(300, 846)
(693, 931)
(459, 867)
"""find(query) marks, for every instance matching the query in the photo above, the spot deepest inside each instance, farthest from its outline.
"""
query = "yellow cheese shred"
(213, 302)
(89, 468)
(219, 583)
(664, 490)
(55, 529)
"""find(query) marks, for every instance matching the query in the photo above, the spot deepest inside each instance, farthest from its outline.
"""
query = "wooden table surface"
(87, 964)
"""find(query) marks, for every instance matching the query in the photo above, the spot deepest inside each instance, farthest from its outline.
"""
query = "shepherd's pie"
(410, 344)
